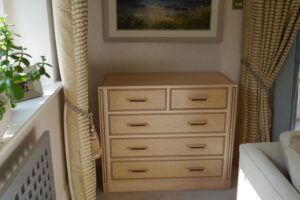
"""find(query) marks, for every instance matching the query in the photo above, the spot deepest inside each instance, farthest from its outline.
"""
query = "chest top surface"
(166, 79)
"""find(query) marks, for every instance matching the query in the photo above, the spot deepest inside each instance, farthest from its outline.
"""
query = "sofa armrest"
(274, 152)
(259, 178)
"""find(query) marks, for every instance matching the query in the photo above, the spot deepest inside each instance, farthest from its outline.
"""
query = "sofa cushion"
(290, 142)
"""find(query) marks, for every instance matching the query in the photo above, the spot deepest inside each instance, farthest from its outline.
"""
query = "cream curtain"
(270, 27)
(70, 21)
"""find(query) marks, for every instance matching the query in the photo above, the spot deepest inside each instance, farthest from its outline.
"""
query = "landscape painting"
(162, 20)
(163, 14)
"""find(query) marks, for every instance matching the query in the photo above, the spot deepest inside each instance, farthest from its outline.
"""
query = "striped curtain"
(70, 21)
(270, 27)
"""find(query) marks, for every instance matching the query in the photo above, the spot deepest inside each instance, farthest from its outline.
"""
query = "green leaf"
(8, 73)
(42, 70)
(17, 47)
(8, 82)
(19, 69)
(25, 62)
(26, 54)
(2, 20)
(47, 75)
(4, 62)
(37, 77)
(19, 78)
(13, 104)
(16, 92)
(16, 34)
(15, 57)
(2, 86)
(2, 111)
(48, 64)
(9, 35)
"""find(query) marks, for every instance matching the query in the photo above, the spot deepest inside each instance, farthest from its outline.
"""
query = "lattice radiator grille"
(34, 180)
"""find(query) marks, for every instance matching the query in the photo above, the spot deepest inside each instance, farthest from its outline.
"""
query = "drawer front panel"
(198, 98)
(167, 147)
(168, 123)
(167, 169)
(137, 99)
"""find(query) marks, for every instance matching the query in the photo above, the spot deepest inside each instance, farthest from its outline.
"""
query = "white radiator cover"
(33, 179)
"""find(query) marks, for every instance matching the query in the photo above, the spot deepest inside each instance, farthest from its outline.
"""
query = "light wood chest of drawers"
(167, 131)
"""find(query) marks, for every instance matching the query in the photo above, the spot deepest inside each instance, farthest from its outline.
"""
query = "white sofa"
(263, 174)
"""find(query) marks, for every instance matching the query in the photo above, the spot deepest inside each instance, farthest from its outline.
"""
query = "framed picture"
(162, 20)
(31, 89)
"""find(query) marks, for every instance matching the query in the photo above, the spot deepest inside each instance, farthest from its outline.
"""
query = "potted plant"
(13, 62)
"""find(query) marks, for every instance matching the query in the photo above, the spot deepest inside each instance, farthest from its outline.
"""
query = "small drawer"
(167, 123)
(166, 169)
(151, 99)
(198, 98)
(167, 147)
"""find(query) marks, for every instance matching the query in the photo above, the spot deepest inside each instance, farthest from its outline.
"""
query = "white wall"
(32, 20)
(231, 45)
(139, 57)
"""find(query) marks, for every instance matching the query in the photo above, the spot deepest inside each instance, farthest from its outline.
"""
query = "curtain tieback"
(93, 133)
(257, 77)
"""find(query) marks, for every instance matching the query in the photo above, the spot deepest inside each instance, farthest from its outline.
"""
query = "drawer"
(166, 169)
(151, 99)
(167, 123)
(198, 98)
(167, 147)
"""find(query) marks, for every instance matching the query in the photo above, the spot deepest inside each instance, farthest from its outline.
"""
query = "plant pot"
(7, 115)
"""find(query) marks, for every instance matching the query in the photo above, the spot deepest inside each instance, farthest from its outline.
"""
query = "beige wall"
(108, 57)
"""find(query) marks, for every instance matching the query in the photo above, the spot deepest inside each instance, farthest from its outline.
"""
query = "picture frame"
(113, 32)
(31, 89)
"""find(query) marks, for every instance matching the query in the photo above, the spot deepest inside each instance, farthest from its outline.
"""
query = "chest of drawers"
(167, 131)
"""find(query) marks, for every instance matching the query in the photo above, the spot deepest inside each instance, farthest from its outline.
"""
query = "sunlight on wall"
(245, 189)
(1, 8)
(31, 20)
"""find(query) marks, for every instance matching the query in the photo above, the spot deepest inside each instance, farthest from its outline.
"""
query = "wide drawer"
(198, 98)
(166, 169)
(151, 99)
(167, 123)
(167, 147)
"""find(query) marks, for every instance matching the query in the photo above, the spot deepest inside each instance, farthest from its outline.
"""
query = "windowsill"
(23, 115)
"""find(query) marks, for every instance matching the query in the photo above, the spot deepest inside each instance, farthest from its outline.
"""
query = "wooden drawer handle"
(199, 98)
(138, 170)
(138, 125)
(196, 146)
(198, 169)
(138, 148)
(198, 123)
(137, 100)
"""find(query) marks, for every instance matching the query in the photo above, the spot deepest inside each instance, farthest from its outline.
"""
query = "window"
(33, 21)
(1, 8)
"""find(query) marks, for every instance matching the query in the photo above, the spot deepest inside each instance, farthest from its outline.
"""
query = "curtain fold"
(270, 28)
(70, 21)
